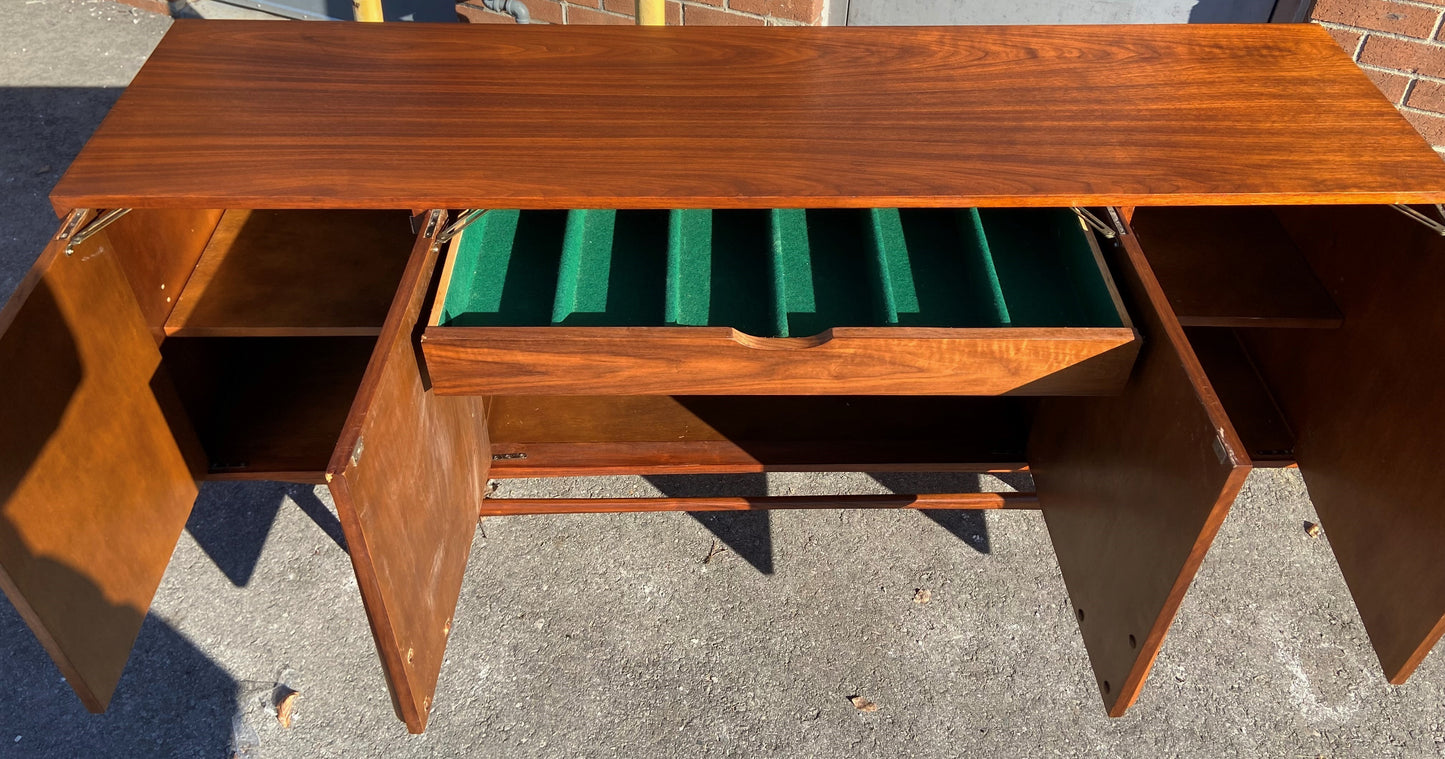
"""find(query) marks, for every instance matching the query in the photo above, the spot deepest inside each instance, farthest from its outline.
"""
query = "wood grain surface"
(290, 273)
(496, 507)
(234, 114)
(408, 477)
(1367, 406)
(1232, 267)
(1134, 488)
(94, 490)
(723, 361)
(159, 248)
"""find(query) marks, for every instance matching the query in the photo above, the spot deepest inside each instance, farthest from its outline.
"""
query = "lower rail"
(519, 506)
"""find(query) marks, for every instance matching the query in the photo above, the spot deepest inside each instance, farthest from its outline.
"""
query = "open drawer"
(755, 302)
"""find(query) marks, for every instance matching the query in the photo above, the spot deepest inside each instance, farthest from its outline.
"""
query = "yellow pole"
(649, 13)
(367, 10)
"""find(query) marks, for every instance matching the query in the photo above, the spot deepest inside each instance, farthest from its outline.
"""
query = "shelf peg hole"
(1080, 612)
(1106, 687)
(1132, 643)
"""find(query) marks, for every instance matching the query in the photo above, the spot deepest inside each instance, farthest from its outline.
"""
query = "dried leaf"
(1312, 529)
(922, 595)
(863, 704)
(285, 707)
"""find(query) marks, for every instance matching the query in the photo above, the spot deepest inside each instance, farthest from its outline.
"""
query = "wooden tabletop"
(328, 115)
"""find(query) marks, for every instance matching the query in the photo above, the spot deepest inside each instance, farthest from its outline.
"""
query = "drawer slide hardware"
(462, 222)
(1097, 224)
(100, 222)
(1434, 224)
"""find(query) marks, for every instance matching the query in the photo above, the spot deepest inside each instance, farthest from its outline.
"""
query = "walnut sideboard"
(403, 259)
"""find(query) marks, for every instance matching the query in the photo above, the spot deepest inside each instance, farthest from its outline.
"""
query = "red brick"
(1348, 39)
(549, 11)
(674, 14)
(1427, 96)
(806, 11)
(475, 14)
(1404, 55)
(1430, 126)
(577, 15)
(1390, 83)
(1379, 16)
(697, 15)
(585, 3)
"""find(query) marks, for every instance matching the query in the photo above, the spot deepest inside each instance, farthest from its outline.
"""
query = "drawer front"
(877, 301)
(723, 361)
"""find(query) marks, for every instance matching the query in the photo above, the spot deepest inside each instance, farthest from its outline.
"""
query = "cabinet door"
(1134, 487)
(1367, 405)
(408, 478)
(94, 490)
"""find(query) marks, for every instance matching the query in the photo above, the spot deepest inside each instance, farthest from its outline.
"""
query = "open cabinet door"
(1367, 405)
(1135, 486)
(94, 490)
(408, 478)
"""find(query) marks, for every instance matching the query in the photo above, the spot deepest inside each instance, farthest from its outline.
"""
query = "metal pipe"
(651, 13)
(366, 10)
(513, 8)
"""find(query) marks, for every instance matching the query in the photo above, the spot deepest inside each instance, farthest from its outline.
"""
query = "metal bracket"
(1434, 224)
(433, 218)
(1096, 223)
(74, 238)
(462, 222)
(1118, 222)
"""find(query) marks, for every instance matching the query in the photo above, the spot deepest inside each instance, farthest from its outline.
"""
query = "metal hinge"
(74, 238)
(462, 222)
(1435, 225)
(1097, 224)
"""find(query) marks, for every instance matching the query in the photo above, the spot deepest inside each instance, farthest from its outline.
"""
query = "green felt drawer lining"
(778, 273)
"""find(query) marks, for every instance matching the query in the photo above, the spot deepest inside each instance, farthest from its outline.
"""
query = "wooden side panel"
(1367, 403)
(408, 477)
(1134, 487)
(94, 490)
(1232, 267)
(159, 248)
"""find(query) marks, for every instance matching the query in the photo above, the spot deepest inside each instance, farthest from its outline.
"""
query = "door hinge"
(74, 237)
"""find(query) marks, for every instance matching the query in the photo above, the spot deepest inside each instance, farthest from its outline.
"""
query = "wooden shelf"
(268, 408)
(295, 273)
(1246, 398)
(1232, 267)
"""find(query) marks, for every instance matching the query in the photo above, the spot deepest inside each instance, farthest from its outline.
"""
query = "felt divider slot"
(778, 273)
(1046, 269)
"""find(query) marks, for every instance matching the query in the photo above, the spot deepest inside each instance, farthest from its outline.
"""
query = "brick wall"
(690, 12)
(1400, 44)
